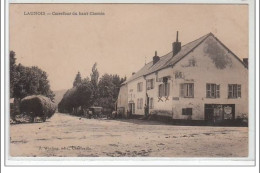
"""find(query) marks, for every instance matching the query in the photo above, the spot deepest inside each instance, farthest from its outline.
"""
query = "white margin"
(138, 161)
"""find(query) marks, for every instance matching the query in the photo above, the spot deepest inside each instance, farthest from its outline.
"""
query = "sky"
(121, 40)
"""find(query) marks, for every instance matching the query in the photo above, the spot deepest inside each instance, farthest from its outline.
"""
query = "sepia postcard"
(110, 83)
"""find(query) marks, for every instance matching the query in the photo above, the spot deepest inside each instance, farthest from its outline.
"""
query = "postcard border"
(20, 161)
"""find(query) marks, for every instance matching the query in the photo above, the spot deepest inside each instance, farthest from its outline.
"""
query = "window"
(151, 105)
(187, 90)
(140, 103)
(150, 84)
(234, 91)
(192, 62)
(140, 86)
(187, 111)
(178, 75)
(164, 89)
(212, 91)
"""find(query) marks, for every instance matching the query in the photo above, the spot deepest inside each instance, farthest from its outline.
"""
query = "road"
(64, 135)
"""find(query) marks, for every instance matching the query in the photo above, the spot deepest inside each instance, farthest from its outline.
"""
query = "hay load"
(37, 106)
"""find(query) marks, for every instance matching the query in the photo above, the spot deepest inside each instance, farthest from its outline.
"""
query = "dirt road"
(65, 135)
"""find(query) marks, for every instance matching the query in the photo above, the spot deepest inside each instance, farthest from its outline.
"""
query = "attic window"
(192, 62)
(178, 75)
(140, 87)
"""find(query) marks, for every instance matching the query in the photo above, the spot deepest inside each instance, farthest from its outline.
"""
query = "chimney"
(245, 61)
(155, 58)
(176, 46)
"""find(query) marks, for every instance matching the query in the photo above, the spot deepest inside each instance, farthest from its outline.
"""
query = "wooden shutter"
(230, 95)
(217, 91)
(159, 90)
(182, 90)
(208, 90)
(191, 90)
(167, 89)
(238, 90)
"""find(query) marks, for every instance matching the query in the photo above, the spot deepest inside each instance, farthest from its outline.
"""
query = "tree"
(13, 73)
(94, 83)
(108, 89)
(80, 95)
(77, 80)
(88, 92)
(25, 81)
(94, 75)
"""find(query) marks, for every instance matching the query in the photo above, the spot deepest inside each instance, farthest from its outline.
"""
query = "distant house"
(122, 100)
(202, 80)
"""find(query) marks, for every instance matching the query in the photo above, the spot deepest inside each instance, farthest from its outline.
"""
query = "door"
(146, 110)
(131, 108)
(209, 112)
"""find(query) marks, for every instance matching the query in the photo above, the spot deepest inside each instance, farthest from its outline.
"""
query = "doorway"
(219, 112)
(131, 108)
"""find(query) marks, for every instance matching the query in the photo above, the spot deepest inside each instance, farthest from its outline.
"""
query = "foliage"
(89, 92)
(79, 95)
(25, 81)
(77, 80)
(13, 72)
(108, 89)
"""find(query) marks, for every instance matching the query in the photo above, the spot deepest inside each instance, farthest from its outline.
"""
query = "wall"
(122, 101)
(133, 94)
(164, 104)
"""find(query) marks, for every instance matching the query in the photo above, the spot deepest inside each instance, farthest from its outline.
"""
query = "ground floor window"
(164, 89)
(187, 90)
(212, 90)
(234, 91)
(140, 103)
(151, 104)
(186, 111)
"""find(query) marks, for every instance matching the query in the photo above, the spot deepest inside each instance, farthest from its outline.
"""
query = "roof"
(168, 59)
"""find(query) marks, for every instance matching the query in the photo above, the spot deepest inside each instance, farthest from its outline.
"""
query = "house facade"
(202, 80)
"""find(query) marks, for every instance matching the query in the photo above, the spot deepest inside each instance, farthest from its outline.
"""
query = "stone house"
(201, 80)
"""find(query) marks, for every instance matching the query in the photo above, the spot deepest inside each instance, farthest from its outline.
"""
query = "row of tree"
(25, 81)
(93, 91)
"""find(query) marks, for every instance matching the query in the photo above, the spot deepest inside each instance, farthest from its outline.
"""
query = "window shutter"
(181, 90)
(159, 91)
(208, 90)
(229, 91)
(191, 90)
(217, 91)
(238, 90)
(167, 89)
